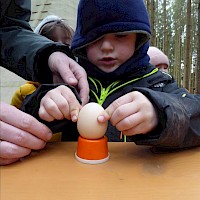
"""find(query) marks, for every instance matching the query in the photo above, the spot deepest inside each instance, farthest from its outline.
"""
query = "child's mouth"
(108, 61)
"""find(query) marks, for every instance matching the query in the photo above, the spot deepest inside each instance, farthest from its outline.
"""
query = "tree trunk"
(165, 29)
(148, 6)
(187, 66)
(197, 80)
(153, 30)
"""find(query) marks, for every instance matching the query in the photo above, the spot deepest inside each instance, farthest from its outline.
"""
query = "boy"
(145, 104)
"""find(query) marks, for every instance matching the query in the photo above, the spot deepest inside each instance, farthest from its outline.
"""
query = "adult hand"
(132, 114)
(19, 134)
(66, 70)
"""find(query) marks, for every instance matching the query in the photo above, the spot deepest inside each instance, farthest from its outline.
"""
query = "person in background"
(140, 101)
(35, 58)
(158, 59)
(56, 29)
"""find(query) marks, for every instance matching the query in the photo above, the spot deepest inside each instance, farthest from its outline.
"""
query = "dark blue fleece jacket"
(95, 18)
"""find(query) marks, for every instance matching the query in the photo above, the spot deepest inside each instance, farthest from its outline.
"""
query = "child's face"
(162, 67)
(112, 50)
(62, 36)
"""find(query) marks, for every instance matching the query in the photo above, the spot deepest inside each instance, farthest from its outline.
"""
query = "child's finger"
(74, 114)
(118, 103)
(103, 117)
(129, 122)
(74, 110)
(44, 115)
(51, 108)
(73, 105)
(62, 108)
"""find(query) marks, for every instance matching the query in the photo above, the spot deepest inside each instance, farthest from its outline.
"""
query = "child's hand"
(59, 103)
(132, 114)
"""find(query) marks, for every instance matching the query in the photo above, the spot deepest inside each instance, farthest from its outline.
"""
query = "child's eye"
(120, 35)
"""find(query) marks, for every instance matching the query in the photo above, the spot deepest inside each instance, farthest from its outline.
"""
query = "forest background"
(175, 28)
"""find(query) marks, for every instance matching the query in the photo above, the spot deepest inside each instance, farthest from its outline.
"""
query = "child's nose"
(106, 45)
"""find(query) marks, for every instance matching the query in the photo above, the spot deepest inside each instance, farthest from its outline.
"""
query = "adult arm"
(34, 57)
(22, 51)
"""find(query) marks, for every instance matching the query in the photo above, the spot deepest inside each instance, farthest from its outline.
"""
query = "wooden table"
(132, 172)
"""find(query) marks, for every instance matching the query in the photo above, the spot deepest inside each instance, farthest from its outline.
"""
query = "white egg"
(88, 125)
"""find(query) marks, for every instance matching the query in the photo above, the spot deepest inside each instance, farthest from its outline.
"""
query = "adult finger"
(83, 91)
(12, 151)
(59, 64)
(20, 137)
(81, 76)
(7, 161)
(24, 122)
(67, 70)
(83, 86)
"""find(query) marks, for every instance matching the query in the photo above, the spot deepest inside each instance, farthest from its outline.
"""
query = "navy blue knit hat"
(95, 18)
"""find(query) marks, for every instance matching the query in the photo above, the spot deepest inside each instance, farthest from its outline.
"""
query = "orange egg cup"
(92, 151)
